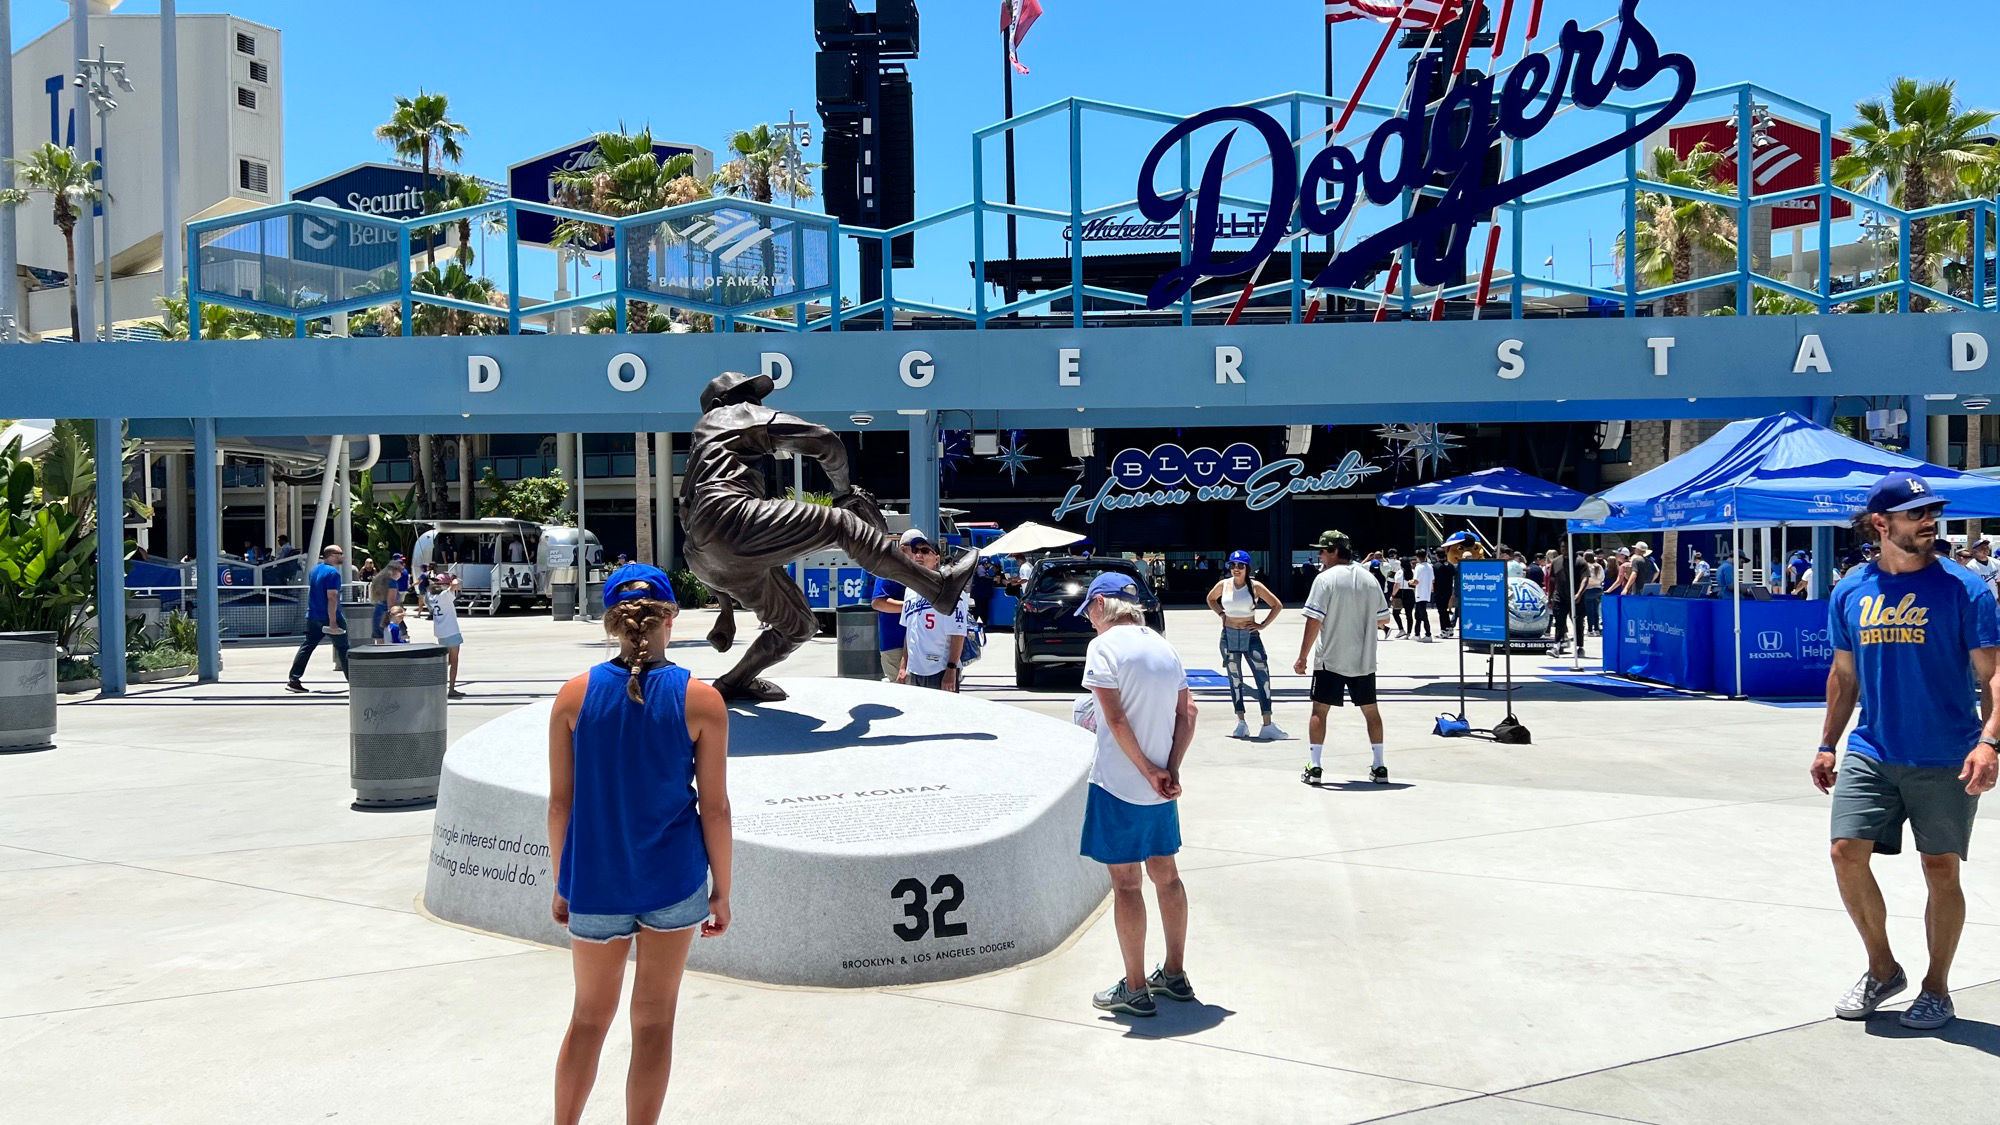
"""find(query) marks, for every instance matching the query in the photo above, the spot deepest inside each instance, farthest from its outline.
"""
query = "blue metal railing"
(306, 290)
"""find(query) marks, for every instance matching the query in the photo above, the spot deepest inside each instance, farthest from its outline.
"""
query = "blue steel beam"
(207, 554)
(108, 438)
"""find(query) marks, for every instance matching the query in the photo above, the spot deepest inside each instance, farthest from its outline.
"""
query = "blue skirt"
(1116, 831)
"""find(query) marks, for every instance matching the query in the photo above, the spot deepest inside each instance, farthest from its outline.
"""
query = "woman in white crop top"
(1235, 600)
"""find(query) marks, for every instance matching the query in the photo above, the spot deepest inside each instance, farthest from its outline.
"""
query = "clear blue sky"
(527, 77)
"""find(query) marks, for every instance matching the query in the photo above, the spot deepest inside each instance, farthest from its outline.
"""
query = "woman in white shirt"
(1235, 599)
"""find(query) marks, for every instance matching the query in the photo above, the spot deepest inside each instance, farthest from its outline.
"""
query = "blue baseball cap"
(1239, 557)
(1110, 584)
(637, 580)
(1900, 492)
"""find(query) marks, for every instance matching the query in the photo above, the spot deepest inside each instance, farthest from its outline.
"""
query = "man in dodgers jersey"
(933, 639)
(1912, 636)
(1145, 722)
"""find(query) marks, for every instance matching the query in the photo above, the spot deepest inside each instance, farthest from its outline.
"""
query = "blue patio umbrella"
(1500, 493)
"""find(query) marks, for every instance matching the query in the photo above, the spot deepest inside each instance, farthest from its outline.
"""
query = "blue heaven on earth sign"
(1482, 600)
(1168, 475)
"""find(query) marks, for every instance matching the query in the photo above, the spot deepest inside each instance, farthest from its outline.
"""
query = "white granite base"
(884, 835)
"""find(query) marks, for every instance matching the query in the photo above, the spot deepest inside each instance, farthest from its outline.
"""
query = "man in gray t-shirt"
(1342, 612)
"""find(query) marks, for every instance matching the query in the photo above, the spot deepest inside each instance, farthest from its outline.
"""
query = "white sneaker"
(1242, 729)
(1271, 733)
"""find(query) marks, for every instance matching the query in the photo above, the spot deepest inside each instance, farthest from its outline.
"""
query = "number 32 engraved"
(936, 919)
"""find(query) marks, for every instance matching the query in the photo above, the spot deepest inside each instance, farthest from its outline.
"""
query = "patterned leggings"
(1236, 645)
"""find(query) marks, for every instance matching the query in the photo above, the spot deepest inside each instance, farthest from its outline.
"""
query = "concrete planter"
(27, 691)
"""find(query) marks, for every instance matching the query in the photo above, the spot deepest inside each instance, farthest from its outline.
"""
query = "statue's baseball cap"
(1900, 492)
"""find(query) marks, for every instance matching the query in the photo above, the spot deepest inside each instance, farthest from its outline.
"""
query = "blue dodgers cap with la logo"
(1900, 492)
(637, 580)
(1110, 584)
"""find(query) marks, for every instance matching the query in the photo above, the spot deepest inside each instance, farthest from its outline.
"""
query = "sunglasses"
(923, 549)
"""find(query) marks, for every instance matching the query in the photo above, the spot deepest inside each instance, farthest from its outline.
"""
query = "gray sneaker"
(1930, 1012)
(1123, 998)
(1868, 995)
(1173, 986)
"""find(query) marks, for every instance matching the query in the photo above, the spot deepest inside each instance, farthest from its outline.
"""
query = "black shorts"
(1330, 688)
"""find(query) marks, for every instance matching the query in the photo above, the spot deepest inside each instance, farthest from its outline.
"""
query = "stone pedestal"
(883, 835)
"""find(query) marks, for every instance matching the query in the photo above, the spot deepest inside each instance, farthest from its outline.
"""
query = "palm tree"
(455, 281)
(1916, 145)
(627, 178)
(766, 161)
(71, 183)
(219, 322)
(420, 128)
(457, 192)
(1672, 228)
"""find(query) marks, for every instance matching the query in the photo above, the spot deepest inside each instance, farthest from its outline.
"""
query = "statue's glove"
(862, 503)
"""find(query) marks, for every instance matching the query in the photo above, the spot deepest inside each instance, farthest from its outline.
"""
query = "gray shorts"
(892, 661)
(1872, 799)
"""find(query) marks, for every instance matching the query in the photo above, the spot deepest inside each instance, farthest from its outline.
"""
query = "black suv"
(1047, 631)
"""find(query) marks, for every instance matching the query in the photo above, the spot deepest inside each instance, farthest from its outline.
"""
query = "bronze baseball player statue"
(738, 539)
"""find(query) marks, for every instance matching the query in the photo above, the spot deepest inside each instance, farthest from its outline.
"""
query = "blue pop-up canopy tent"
(1780, 471)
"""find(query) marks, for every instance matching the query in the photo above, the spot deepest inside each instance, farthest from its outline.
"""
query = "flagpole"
(1007, 75)
(1329, 106)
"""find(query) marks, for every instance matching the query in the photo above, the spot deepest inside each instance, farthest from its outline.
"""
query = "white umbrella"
(1029, 538)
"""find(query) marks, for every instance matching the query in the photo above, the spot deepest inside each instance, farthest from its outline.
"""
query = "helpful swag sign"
(1429, 149)
(1168, 475)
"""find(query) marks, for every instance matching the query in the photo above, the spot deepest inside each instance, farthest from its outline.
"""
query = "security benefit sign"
(1168, 475)
(1482, 600)
(385, 191)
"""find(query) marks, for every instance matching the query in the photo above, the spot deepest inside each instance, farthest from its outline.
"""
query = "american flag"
(1421, 14)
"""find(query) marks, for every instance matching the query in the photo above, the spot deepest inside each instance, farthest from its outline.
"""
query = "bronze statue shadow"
(771, 729)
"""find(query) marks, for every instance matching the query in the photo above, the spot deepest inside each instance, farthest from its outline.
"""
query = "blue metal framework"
(230, 235)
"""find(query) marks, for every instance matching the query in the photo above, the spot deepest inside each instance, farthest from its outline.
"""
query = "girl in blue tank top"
(639, 831)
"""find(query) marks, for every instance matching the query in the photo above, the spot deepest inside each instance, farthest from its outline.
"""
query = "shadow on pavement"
(1176, 1018)
(778, 731)
(1976, 1034)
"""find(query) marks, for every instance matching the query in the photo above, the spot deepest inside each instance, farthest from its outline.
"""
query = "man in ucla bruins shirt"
(1913, 635)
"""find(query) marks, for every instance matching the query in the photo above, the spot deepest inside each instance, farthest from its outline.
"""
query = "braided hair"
(633, 623)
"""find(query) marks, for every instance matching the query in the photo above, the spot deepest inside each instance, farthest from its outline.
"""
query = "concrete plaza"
(1631, 919)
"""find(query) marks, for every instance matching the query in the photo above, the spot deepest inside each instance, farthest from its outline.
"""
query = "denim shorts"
(686, 914)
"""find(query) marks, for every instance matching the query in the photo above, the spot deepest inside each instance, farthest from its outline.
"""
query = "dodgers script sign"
(1584, 68)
